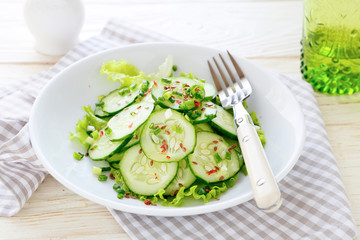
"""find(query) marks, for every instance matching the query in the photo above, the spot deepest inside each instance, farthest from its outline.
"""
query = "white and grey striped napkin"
(315, 203)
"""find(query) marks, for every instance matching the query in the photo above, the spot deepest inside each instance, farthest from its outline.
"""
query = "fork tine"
(236, 65)
(227, 69)
(221, 73)
(244, 82)
(216, 80)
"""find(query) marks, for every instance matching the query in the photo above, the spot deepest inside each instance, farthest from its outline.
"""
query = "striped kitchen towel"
(315, 203)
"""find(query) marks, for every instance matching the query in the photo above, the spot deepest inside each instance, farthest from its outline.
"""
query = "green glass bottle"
(330, 55)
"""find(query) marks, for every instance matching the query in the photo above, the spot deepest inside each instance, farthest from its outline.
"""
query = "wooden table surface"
(266, 31)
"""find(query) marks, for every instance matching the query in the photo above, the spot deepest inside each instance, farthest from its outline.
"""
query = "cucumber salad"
(161, 137)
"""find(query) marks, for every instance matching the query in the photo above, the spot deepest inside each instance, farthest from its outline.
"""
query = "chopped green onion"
(157, 131)
(172, 99)
(108, 131)
(99, 104)
(217, 158)
(102, 178)
(166, 80)
(202, 80)
(78, 155)
(96, 170)
(105, 169)
(95, 135)
(124, 91)
(145, 85)
(228, 156)
(161, 99)
(100, 97)
(133, 86)
(173, 128)
(167, 94)
(178, 93)
(174, 68)
(152, 126)
(188, 105)
(178, 130)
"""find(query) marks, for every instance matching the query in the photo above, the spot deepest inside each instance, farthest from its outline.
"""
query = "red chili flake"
(203, 109)
(215, 148)
(152, 163)
(127, 196)
(229, 149)
(130, 126)
(173, 87)
(217, 168)
(86, 154)
(176, 192)
(207, 190)
(191, 96)
(172, 193)
(126, 108)
(181, 145)
(233, 146)
(156, 177)
(211, 172)
(101, 133)
(133, 197)
(140, 150)
(156, 127)
(184, 149)
(217, 199)
(136, 137)
(166, 87)
(178, 101)
(187, 85)
(215, 142)
(220, 140)
(180, 185)
(92, 148)
(164, 142)
(153, 204)
(168, 157)
(163, 127)
(195, 163)
(127, 193)
(196, 89)
(147, 202)
(155, 83)
(111, 176)
(167, 132)
(146, 108)
(186, 96)
(197, 104)
(177, 81)
(221, 178)
(138, 107)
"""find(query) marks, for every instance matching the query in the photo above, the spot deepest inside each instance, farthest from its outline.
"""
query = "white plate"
(59, 107)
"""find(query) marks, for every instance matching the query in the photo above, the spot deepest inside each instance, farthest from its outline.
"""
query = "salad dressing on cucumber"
(164, 137)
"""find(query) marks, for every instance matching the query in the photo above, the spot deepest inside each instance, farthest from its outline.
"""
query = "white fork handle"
(266, 191)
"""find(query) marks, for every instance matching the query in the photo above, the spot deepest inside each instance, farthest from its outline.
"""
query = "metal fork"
(266, 191)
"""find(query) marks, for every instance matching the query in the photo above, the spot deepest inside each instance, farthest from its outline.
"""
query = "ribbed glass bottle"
(330, 55)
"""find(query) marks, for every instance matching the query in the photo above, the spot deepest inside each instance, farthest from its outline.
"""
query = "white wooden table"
(266, 31)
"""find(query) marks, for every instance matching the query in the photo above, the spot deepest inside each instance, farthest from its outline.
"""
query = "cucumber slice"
(114, 102)
(203, 127)
(207, 112)
(210, 92)
(184, 178)
(134, 140)
(100, 113)
(167, 136)
(144, 176)
(103, 148)
(212, 161)
(177, 85)
(116, 157)
(129, 120)
(224, 123)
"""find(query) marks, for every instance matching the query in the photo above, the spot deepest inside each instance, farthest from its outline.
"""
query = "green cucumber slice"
(212, 161)
(167, 136)
(207, 112)
(210, 92)
(224, 123)
(103, 148)
(145, 176)
(129, 120)
(203, 127)
(184, 178)
(134, 140)
(114, 102)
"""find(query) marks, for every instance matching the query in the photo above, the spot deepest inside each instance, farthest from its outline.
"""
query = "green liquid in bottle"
(330, 56)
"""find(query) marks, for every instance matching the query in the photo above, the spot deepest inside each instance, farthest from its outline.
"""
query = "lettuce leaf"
(98, 123)
(122, 71)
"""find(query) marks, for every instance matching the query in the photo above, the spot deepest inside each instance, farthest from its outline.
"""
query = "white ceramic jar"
(55, 24)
